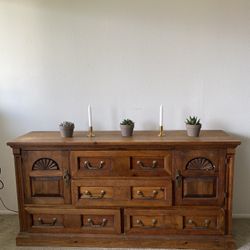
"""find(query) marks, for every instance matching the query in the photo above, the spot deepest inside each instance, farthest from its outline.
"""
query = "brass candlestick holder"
(91, 133)
(161, 134)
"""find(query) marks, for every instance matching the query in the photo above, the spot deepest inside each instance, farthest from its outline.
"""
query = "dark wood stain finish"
(109, 191)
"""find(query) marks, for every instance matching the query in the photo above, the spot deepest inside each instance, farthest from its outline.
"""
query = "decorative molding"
(45, 164)
(200, 163)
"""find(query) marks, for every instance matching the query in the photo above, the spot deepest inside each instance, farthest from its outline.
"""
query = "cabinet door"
(46, 177)
(199, 177)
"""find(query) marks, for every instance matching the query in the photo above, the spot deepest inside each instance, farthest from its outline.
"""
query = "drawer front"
(98, 163)
(120, 163)
(152, 221)
(100, 221)
(121, 192)
(175, 221)
(151, 163)
(47, 221)
(204, 221)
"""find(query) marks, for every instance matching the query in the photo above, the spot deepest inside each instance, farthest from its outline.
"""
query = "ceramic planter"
(127, 130)
(66, 131)
(193, 130)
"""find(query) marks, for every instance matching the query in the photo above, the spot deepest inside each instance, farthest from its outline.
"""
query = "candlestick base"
(91, 133)
(161, 134)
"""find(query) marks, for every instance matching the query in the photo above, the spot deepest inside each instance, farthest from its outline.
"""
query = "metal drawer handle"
(178, 179)
(88, 165)
(41, 222)
(154, 194)
(66, 177)
(141, 164)
(140, 223)
(206, 224)
(91, 196)
(102, 224)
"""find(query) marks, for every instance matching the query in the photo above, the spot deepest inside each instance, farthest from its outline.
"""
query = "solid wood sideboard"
(110, 191)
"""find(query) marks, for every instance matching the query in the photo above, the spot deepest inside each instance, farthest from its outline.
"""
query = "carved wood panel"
(45, 164)
(200, 163)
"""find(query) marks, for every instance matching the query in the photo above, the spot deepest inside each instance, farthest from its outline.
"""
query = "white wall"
(125, 57)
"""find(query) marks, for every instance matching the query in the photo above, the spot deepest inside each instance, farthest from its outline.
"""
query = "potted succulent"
(66, 128)
(193, 126)
(127, 127)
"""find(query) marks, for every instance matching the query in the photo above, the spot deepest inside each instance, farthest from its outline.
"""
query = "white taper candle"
(161, 115)
(90, 115)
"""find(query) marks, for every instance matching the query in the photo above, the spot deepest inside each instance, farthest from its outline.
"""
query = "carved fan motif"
(45, 164)
(200, 163)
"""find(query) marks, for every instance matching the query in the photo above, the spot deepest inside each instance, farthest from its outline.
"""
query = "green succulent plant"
(193, 120)
(66, 124)
(127, 122)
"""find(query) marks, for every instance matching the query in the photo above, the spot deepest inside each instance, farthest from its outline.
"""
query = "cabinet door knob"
(66, 177)
(178, 179)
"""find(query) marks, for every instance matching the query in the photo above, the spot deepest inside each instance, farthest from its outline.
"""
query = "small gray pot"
(127, 130)
(66, 132)
(193, 130)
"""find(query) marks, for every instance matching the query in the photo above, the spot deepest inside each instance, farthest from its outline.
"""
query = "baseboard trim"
(2, 212)
(219, 242)
(241, 216)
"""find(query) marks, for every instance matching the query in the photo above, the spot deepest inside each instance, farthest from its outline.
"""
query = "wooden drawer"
(150, 163)
(175, 221)
(120, 163)
(122, 192)
(101, 221)
(204, 221)
(98, 163)
(152, 221)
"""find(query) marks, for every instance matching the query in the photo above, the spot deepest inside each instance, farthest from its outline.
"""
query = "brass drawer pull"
(154, 194)
(140, 223)
(178, 179)
(91, 196)
(42, 223)
(88, 165)
(206, 224)
(141, 164)
(66, 177)
(102, 224)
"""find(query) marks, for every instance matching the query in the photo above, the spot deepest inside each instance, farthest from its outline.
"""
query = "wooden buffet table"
(110, 191)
